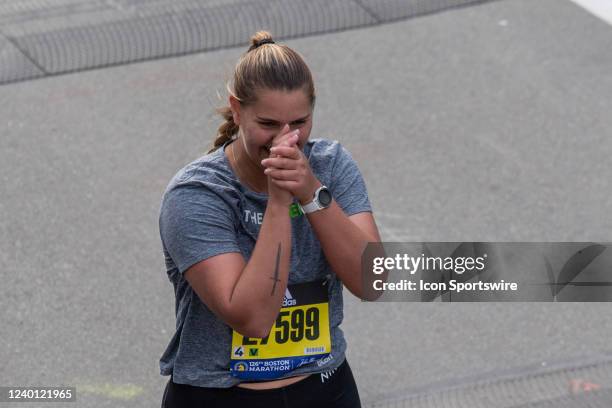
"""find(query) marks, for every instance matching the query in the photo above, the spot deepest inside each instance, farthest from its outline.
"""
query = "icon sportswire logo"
(288, 300)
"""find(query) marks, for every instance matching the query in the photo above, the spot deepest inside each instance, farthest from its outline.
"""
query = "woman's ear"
(235, 107)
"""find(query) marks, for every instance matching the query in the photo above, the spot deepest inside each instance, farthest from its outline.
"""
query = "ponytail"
(227, 129)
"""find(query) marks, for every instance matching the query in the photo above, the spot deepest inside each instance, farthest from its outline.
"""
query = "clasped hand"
(288, 167)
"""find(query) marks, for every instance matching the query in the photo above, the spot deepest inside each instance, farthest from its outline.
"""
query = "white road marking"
(124, 392)
(600, 8)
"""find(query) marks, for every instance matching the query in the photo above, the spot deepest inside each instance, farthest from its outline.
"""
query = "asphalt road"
(487, 123)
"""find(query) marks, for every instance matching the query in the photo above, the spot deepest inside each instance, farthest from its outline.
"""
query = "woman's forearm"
(261, 287)
(343, 244)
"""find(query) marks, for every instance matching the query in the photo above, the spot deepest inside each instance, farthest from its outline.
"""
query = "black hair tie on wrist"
(262, 42)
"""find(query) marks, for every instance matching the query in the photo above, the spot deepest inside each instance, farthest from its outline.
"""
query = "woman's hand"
(287, 139)
(288, 168)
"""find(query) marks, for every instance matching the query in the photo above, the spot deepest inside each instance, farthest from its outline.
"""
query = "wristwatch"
(322, 199)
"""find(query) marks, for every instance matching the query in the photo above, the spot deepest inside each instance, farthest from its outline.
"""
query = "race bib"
(299, 336)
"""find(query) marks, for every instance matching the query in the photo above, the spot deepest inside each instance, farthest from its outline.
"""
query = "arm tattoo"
(276, 271)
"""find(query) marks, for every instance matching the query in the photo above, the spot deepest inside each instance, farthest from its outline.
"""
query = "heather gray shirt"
(205, 211)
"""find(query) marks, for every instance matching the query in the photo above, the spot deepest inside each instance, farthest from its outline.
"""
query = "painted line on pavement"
(599, 8)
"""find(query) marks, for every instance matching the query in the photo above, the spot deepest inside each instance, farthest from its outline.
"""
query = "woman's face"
(261, 122)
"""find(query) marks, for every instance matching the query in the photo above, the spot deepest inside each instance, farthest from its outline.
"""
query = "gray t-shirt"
(205, 211)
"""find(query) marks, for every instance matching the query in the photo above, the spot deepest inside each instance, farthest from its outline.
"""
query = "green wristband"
(295, 210)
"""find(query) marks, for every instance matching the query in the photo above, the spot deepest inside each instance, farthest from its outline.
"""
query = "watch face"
(325, 197)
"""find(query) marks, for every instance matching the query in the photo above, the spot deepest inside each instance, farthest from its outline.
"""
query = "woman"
(259, 237)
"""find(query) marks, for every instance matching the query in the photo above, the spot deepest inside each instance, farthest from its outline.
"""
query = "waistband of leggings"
(312, 379)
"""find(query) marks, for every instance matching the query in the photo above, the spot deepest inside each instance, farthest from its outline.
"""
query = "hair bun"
(260, 38)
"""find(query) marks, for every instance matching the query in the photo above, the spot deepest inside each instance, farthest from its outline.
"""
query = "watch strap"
(310, 207)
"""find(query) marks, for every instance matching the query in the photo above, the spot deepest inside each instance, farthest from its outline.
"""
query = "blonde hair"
(266, 65)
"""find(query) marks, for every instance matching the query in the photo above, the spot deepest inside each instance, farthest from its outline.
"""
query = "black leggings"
(331, 389)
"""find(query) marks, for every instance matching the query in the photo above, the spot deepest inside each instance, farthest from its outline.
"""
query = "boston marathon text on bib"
(299, 336)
